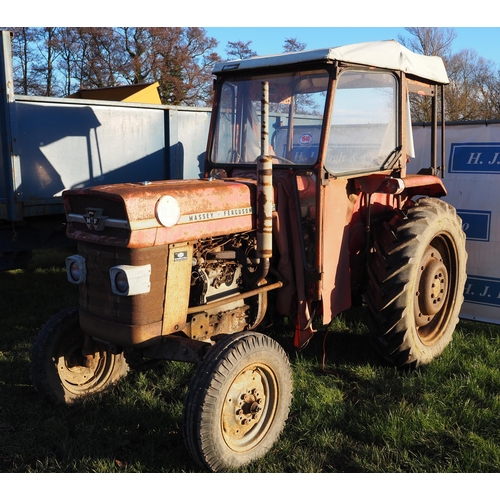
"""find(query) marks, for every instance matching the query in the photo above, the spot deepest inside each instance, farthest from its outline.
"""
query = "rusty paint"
(197, 198)
(124, 335)
(429, 185)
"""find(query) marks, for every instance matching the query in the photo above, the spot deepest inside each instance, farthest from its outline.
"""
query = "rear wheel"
(417, 278)
(67, 366)
(238, 401)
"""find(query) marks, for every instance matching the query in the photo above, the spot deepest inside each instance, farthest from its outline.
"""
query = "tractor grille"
(109, 208)
(96, 296)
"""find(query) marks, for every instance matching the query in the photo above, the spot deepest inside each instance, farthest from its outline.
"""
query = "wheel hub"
(76, 369)
(432, 289)
(243, 406)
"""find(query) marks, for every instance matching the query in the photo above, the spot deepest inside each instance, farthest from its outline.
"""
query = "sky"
(267, 23)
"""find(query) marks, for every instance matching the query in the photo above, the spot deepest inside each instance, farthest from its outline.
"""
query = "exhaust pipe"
(265, 193)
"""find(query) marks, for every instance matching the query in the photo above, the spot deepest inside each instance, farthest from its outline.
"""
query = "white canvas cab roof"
(387, 54)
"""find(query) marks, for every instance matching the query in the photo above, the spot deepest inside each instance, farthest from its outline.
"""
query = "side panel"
(473, 181)
(187, 139)
(180, 262)
(337, 213)
(69, 145)
(66, 144)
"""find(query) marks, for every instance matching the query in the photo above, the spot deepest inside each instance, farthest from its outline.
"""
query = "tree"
(430, 41)
(492, 96)
(474, 89)
(293, 45)
(472, 92)
(68, 45)
(24, 57)
(240, 50)
(59, 61)
(46, 44)
(181, 62)
(99, 58)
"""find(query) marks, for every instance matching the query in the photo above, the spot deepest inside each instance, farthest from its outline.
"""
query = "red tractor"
(305, 209)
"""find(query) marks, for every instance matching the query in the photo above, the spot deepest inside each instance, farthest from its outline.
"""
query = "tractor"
(304, 210)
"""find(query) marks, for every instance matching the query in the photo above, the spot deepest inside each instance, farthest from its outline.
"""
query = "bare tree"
(430, 41)
(98, 58)
(293, 45)
(24, 57)
(492, 98)
(69, 48)
(472, 90)
(59, 61)
(240, 50)
(48, 47)
(180, 59)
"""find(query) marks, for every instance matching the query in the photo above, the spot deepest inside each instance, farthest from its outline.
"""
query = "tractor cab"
(343, 111)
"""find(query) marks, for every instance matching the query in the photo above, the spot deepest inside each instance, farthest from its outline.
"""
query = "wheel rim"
(78, 373)
(249, 407)
(434, 295)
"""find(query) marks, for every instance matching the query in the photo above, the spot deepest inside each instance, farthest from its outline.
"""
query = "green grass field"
(357, 415)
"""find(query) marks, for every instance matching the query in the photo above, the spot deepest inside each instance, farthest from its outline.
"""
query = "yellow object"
(146, 93)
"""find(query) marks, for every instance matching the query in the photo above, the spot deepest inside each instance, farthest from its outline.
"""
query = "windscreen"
(363, 130)
(296, 108)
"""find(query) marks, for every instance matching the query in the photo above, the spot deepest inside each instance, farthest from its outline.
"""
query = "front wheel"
(417, 277)
(66, 365)
(238, 401)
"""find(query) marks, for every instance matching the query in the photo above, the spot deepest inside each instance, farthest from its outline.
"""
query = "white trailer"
(472, 155)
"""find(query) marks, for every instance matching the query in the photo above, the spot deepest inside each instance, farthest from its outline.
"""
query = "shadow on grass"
(134, 428)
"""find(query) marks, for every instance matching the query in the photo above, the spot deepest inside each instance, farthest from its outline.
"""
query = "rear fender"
(409, 186)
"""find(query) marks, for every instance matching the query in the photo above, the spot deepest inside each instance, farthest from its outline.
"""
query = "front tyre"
(417, 277)
(238, 402)
(65, 366)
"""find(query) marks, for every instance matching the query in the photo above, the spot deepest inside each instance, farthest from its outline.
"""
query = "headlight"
(121, 282)
(167, 211)
(130, 280)
(76, 270)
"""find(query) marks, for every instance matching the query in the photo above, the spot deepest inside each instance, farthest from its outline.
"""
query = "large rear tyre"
(238, 402)
(65, 367)
(416, 282)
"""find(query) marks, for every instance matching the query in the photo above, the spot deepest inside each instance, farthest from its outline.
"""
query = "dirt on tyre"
(238, 402)
(417, 275)
(66, 367)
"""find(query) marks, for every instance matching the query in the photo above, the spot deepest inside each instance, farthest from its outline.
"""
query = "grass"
(356, 415)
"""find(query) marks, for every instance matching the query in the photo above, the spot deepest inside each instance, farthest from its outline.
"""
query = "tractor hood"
(159, 213)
